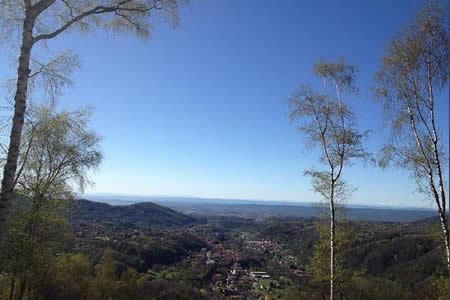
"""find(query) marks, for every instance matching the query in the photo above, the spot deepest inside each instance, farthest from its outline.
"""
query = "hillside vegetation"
(140, 215)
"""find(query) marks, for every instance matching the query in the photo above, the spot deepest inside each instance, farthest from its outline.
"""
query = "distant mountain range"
(118, 199)
(163, 208)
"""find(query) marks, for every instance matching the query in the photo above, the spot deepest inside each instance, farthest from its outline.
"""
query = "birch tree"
(34, 22)
(328, 123)
(412, 73)
(318, 267)
(57, 152)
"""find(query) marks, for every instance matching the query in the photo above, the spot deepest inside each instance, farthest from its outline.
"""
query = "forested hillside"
(141, 215)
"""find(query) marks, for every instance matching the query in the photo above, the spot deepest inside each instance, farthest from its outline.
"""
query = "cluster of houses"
(262, 245)
(256, 275)
(239, 281)
(221, 254)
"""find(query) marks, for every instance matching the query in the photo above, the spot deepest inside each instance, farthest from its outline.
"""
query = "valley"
(251, 256)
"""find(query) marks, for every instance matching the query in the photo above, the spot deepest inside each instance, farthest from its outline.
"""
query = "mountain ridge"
(139, 215)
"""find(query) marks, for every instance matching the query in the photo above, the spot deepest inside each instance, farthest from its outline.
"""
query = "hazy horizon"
(168, 198)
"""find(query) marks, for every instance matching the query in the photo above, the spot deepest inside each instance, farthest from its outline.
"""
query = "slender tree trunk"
(332, 232)
(12, 287)
(444, 227)
(9, 170)
(443, 218)
(447, 248)
(437, 161)
(23, 284)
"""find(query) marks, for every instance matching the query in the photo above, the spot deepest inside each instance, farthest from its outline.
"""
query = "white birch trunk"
(332, 233)
(9, 171)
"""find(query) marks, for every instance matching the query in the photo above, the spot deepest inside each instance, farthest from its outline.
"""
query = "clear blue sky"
(201, 110)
